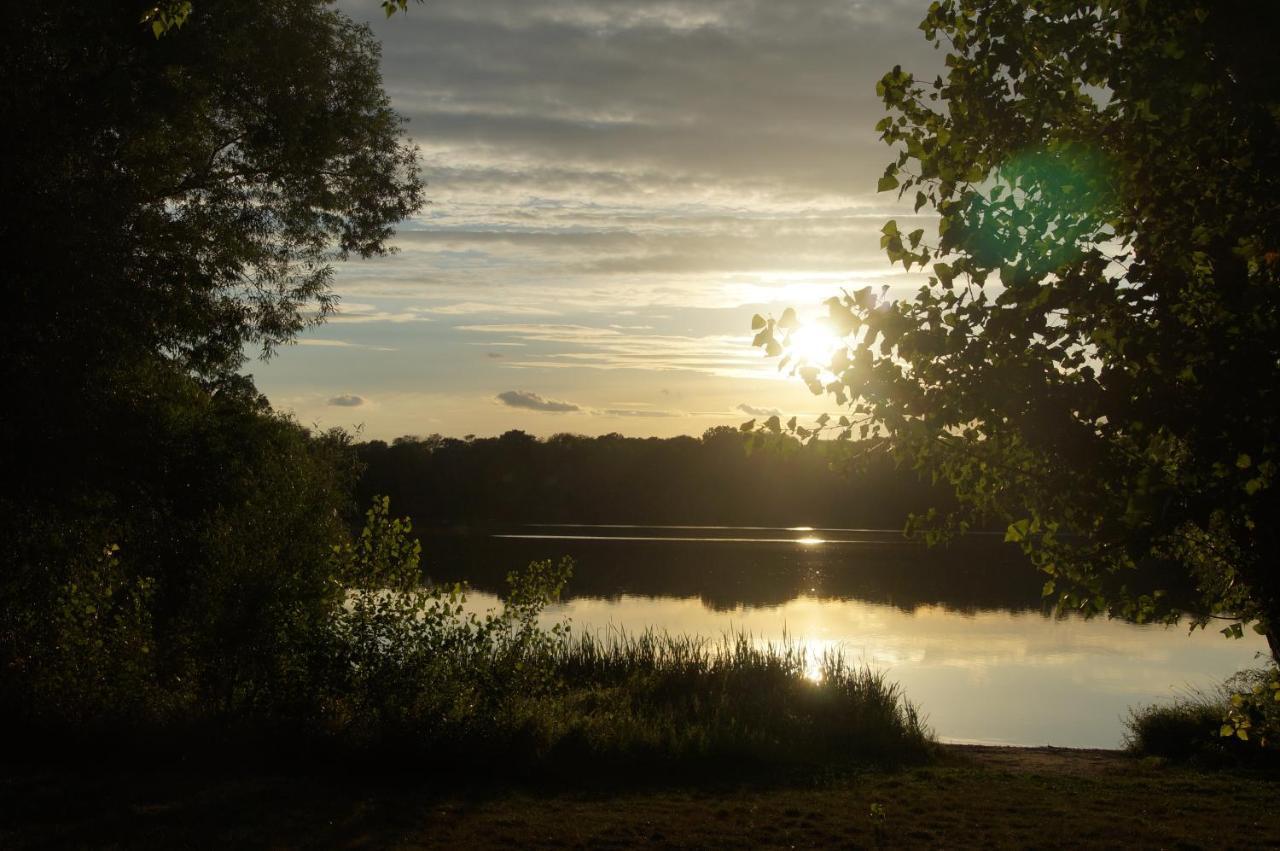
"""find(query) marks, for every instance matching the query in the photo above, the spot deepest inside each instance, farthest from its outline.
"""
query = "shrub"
(1237, 722)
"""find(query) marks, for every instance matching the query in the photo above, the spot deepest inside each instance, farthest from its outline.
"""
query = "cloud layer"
(616, 187)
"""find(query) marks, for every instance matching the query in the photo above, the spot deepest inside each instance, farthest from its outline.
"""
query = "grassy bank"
(970, 797)
(656, 698)
(620, 706)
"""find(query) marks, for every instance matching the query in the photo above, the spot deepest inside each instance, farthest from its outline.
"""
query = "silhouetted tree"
(1095, 359)
(171, 205)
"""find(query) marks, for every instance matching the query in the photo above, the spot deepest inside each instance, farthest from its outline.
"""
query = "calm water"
(960, 629)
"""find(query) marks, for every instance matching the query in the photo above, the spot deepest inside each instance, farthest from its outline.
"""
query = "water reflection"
(961, 630)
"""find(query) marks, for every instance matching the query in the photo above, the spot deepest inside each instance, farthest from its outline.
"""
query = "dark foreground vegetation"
(398, 674)
(968, 798)
(1233, 725)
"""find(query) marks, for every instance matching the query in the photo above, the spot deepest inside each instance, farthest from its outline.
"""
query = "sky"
(615, 189)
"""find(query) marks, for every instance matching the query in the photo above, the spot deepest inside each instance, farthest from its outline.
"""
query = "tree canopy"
(1095, 357)
(175, 205)
(183, 200)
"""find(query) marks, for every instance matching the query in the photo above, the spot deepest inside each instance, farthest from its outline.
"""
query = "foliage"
(1093, 359)
(172, 14)
(1236, 723)
(409, 662)
(189, 198)
(182, 202)
(186, 584)
(93, 642)
(1253, 708)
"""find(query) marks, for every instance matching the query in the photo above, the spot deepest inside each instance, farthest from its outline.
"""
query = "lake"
(961, 629)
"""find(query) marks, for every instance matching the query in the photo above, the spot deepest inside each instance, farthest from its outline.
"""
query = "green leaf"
(1017, 531)
(757, 322)
(886, 183)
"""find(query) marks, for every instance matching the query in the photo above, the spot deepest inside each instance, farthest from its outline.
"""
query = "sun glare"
(814, 344)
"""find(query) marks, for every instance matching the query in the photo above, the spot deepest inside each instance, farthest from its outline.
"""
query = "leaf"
(757, 322)
(747, 426)
(1226, 730)
(788, 319)
(886, 183)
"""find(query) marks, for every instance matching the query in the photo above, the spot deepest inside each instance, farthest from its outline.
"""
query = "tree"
(173, 205)
(1094, 360)
(181, 200)
(172, 14)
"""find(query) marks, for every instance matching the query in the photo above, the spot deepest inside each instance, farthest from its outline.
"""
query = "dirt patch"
(1046, 760)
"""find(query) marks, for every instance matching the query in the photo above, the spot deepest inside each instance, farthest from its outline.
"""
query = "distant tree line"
(723, 477)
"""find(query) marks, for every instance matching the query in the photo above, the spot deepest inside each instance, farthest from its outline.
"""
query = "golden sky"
(616, 187)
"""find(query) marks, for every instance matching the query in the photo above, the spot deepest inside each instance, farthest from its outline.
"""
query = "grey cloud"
(534, 402)
(748, 91)
(347, 400)
(752, 410)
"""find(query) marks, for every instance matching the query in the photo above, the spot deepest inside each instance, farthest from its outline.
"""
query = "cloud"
(534, 402)
(341, 344)
(752, 410)
(586, 347)
(472, 307)
(347, 400)
(628, 412)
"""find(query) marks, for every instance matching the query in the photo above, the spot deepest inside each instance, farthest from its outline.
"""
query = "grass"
(968, 798)
(656, 698)
(618, 706)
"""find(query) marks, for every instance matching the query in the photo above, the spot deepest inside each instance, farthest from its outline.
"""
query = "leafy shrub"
(1253, 708)
(408, 660)
(91, 651)
(1238, 722)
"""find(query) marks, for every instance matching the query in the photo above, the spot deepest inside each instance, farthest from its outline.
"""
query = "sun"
(813, 344)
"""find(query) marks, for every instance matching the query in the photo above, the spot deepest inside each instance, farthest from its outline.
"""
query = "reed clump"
(657, 697)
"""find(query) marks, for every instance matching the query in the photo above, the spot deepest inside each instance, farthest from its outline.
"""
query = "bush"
(408, 664)
(183, 576)
(1237, 723)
